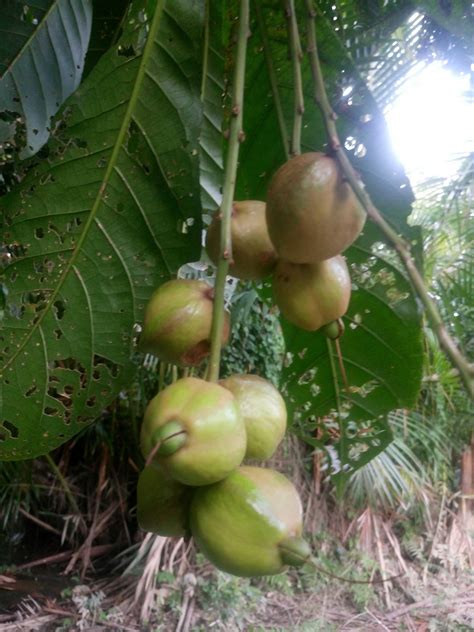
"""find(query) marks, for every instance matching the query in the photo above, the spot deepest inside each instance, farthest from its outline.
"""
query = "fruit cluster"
(196, 434)
(310, 217)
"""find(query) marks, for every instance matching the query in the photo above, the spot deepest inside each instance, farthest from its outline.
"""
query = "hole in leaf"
(59, 309)
(126, 51)
(12, 429)
(113, 368)
(48, 410)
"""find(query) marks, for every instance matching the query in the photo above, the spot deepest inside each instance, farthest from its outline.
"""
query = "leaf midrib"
(30, 39)
(105, 181)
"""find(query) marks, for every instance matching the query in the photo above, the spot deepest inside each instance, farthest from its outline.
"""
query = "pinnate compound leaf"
(92, 230)
(42, 51)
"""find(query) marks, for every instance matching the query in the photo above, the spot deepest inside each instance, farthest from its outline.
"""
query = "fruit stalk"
(236, 136)
(296, 55)
(466, 370)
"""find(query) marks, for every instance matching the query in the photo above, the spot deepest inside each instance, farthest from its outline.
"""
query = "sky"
(431, 122)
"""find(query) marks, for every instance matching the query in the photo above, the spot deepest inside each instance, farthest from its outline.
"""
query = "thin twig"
(337, 393)
(92, 532)
(352, 581)
(446, 342)
(272, 77)
(39, 522)
(386, 587)
(435, 536)
(296, 55)
(342, 368)
(100, 549)
(236, 136)
(67, 490)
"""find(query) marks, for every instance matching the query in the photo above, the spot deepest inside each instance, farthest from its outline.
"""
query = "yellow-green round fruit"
(263, 410)
(201, 432)
(162, 503)
(177, 322)
(312, 212)
(250, 523)
(311, 295)
(253, 255)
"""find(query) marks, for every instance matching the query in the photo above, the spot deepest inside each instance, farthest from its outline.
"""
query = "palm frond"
(394, 477)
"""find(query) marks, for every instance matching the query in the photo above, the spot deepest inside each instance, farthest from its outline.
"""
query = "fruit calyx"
(170, 437)
(294, 551)
(334, 330)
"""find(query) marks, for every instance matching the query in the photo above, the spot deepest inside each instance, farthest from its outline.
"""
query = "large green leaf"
(211, 139)
(112, 213)
(382, 346)
(42, 51)
(107, 23)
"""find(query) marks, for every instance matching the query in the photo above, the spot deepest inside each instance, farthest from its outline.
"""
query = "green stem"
(296, 55)
(64, 484)
(340, 423)
(235, 138)
(272, 77)
(466, 370)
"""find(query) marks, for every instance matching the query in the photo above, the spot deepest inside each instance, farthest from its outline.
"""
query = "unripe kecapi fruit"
(312, 212)
(207, 432)
(263, 410)
(311, 295)
(250, 523)
(177, 322)
(162, 503)
(253, 254)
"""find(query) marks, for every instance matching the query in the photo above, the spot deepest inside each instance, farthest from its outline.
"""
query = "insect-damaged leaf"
(381, 349)
(42, 51)
(112, 213)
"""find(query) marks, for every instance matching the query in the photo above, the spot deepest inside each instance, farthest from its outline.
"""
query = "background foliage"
(112, 211)
(112, 207)
(401, 505)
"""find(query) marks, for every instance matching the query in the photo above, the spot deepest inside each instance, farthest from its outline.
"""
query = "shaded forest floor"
(193, 597)
(72, 558)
